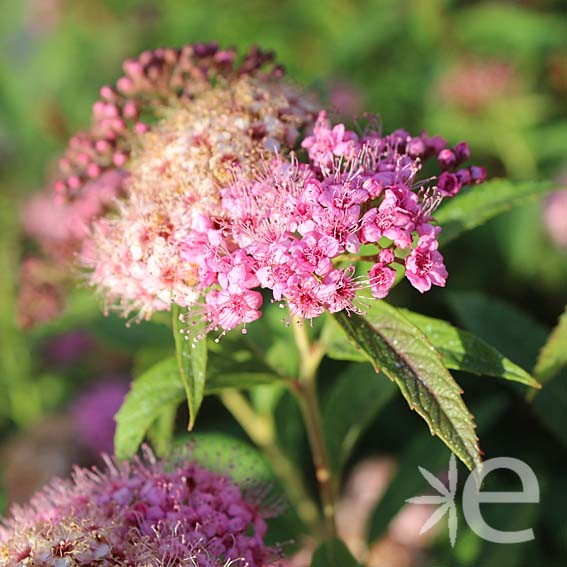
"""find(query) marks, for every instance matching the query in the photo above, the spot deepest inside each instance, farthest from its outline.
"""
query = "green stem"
(260, 428)
(306, 393)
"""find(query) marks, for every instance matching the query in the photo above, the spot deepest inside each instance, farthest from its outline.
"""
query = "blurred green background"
(491, 73)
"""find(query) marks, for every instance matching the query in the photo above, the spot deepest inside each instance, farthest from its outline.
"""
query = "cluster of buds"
(139, 513)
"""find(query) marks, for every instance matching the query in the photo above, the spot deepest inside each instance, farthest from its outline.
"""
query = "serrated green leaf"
(354, 400)
(553, 356)
(192, 364)
(402, 352)
(480, 204)
(461, 350)
(333, 553)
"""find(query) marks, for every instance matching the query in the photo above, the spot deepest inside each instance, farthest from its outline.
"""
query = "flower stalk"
(306, 392)
(260, 428)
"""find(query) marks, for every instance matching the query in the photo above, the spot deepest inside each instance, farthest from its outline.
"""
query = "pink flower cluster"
(94, 170)
(138, 513)
(298, 229)
(150, 81)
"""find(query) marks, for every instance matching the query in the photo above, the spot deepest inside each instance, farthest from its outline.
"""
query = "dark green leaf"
(192, 363)
(513, 332)
(233, 365)
(553, 355)
(273, 341)
(461, 350)
(354, 400)
(403, 353)
(333, 553)
(551, 405)
(157, 389)
(480, 204)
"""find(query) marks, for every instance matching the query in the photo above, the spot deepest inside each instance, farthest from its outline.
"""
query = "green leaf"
(353, 402)
(232, 364)
(333, 553)
(227, 455)
(159, 388)
(161, 432)
(461, 350)
(513, 332)
(192, 363)
(403, 353)
(553, 355)
(274, 341)
(480, 204)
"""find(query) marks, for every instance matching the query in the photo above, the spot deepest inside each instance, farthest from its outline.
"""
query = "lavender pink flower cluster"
(139, 513)
(297, 229)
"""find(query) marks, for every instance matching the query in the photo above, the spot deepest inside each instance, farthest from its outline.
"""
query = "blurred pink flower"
(40, 292)
(473, 84)
(93, 414)
(68, 348)
(345, 97)
(555, 218)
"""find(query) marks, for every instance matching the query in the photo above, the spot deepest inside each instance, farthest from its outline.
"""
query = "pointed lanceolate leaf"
(553, 355)
(192, 363)
(402, 352)
(461, 350)
(480, 204)
(333, 553)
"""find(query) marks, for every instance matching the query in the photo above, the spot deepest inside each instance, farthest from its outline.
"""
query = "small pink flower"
(304, 296)
(381, 280)
(424, 265)
(313, 253)
(339, 289)
(325, 143)
(229, 310)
